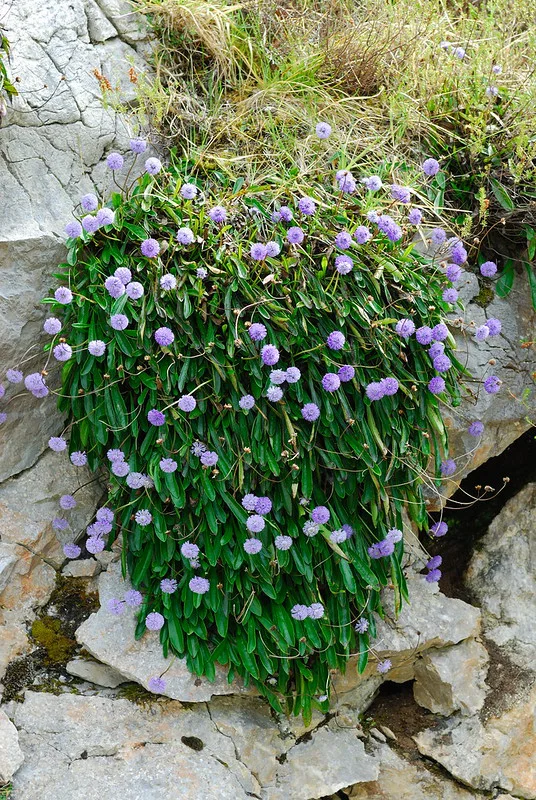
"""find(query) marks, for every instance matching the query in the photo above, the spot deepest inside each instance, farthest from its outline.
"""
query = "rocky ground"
(455, 717)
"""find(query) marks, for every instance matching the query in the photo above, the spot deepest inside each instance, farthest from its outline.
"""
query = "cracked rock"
(11, 756)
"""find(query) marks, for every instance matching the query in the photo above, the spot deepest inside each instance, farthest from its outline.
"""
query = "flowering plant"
(260, 369)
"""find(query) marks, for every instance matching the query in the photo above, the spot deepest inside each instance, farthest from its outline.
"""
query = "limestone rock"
(497, 753)
(11, 756)
(399, 779)
(502, 578)
(94, 672)
(110, 639)
(329, 761)
(94, 747)
(82, 568)
(452, 679)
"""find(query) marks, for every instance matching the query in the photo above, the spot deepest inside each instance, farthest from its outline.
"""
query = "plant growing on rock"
(259, 368)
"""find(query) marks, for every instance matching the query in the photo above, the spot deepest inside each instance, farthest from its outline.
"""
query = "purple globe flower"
(71, 550)
(307, 206)
(494, 326)
(60, 524)
(115, 161)
(384, 666)
(187, 403)
(286, 214)
(434, 562)
(459, 52)
(133, 598)
(258, 251)
(272, 249)
(62, 352)
(344, 265)
(347, 183)
(246, 402)
(255, 523)
(436, 349)
(120, 468)
(375, 551)
(362, 234)
(481, 333)
(209, 458)
(488, 269)
(299, 612)
(249, 501)
(436, 385)
(405, 328)
(257, 332)
(448, 468)
(134, 290)
(124, 275)
(343, 240)
(168, 585)
(263, 506)
(453, 272)
(424, 335)
(450, 295)
(185, 236)
(36, 385)
(442, 363)
(156, 417)
(430, 167)
(274, 394)
(440, 332)
(198, 448)
(119, 322)
(310, 528)
(283, 542)
(105, 216)
(310, 412)
(78, 458)
(14, 375)
(433, 576)
(394, 535)
(439, 528)
(316, 611)
(293, 375)
(492, 384)
(375, 391)
(114, 287)
(136, 480)
(199, 585)
(143, 517)
(218, 214)
(90, 224)
(138, 146)
(496, 69)
(346, 373)
(115, 606)
(252, 546)
(67, 501)
(373, 183)
(164, 337)
(336, 340)
(331, 382)
(476, 428)
(89, 202)
(96, 347)
(361, 625)
(189, 550)
(3, 417)
(150, 248)
(154, 621)
(295, 235)
(188, 191)
(323, 130)
(389, 227)
(168, 465)
(415, 216)
(63, 295)
(269, 355)
(389, 386)
(57, 444)
(438, 236)
(337, 537)
(168, 282)
(153, 166)
(400, 193)
(320, 515)
(156, 684)
(73, 229)
(458, 253)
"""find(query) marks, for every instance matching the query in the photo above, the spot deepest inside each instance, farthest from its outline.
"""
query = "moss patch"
(138, 695)
(19, 674)
(484, 297)
(47, 633)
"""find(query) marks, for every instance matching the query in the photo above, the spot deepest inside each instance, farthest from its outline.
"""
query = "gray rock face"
(497, 753)
(94, 672)
(11, 756)
(452, 679)
(501, 576)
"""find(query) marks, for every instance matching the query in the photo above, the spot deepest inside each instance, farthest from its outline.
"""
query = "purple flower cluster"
(300, 612)
(434, 574)
(386, 546)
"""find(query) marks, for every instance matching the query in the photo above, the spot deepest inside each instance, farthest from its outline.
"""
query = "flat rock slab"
(110, 639)
(95, 672)
(11, 756)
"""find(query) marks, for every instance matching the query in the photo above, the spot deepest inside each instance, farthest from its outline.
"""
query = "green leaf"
(501, 195)
(506, 279)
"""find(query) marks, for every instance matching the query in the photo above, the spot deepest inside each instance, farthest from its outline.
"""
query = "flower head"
(255, 523)
(150, 248)
(133, 598)
(143, 517)
(323, 130)
(154, 621)
(115, 161)
(439, 528)
(119, 322)
(295, 235)
(168, 465)
(105, 216)
(246, 402)
(434, 562)
(263, 506)
(156, 417)
(405, 328)
(90, 223)
(60, 524)
(492, 384)
(299, 612)
(156, 684)
(89, 202)
(63, 295)
(344, 264)
(307, 206)
(218, 214)
(346, 373)
(448, 468)
(153, 166)
(384, 666)
(436, 385)
(252, 546)
(336, 340)
(488, 269)
(375, 391)
(400, 193)
(450, 295)
(115, 606)
(310, 528)
(188, 191)
(120, 468)
(14, 375)
(373, 183)
(36, 385)
(310, 412)
(67, 501)
(320, 515)
(257, 332)
(114, 286)
(71, 550)
(361, 625)
(494, 326)
(481, 333)
(258, 251)
(453, 272)
(292, 375)
(185, 236)
(272, 249)
(124, 275)
(286, 214)
(440, 332)
(73, 229)
(331, 382)
(436, 349)
(136, 480)
(168, 282)
(338, 536)
(269, 355)
(199, 585)
(164, 337)
(209, 458)
(389, 386)
(362, 234)
(343, 240)
(57, 444)
(415, 216)
(438, 236)
(138, 145)
(168, 585)
(424, 334)
(442, 363)
(62, 352)
(476, 428)
(187, 403)
(78, 458)
(95, 544)
(347, 183)
(316, 610)
(283, 542)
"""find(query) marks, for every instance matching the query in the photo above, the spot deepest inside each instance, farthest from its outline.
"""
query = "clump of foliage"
(195, 475)
(7, 88)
